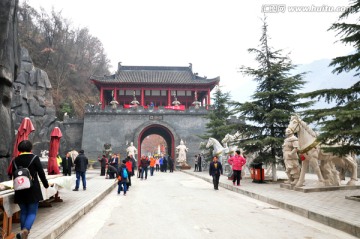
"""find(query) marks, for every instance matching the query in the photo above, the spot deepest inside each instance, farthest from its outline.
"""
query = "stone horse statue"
(231, 140)
(311, 150)
(219, 150)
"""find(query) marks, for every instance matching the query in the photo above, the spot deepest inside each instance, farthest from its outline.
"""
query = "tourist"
(139, 169)
(152, 165)
(111, 171)
(58, 161)
(67, 164)
(157, 165)
(81, 162)
(199, 161)
(114, 161)
(161, 160)
(171, 164)
(129, 167)
(215, 170)
(103, 162)
(144, 163)
(237, 161)
(28, 199)
(165, 162)
(196, 163)
(122, 175)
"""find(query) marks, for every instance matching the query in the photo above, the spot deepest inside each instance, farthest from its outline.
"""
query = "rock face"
(9, 65)
(32, 98)
(25, 91)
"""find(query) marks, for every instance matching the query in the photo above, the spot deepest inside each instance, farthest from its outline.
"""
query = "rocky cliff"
(32, 98)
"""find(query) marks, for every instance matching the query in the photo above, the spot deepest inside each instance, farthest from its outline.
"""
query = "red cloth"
(179, 107)
(302, 157)
(53, 167)
(25, 128)
(129, 106)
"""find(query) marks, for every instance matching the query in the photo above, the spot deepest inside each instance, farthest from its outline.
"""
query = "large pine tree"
(275, 99)
(341, 123)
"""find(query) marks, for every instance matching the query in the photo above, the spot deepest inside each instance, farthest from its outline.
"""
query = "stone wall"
(121, 128)
(73, 131)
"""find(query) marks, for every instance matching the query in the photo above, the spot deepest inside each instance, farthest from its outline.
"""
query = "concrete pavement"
(151, 204)
(330, 208)
(179, 205)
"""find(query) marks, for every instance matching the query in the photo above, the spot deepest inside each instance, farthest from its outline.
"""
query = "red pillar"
(142, 97)
(169, 97)
(102, 98)
(208, 97)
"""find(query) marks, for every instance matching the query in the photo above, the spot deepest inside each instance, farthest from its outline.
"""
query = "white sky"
(213, 35)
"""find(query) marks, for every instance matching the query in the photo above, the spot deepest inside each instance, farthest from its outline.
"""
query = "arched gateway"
(138, 101)
(161, 129)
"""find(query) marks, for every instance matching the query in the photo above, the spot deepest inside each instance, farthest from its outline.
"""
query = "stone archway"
(161, 129)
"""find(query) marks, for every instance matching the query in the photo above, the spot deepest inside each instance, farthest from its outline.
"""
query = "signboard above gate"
(155, 117)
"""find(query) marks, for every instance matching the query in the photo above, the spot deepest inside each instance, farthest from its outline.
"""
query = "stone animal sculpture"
(218, 149)
(310, 150)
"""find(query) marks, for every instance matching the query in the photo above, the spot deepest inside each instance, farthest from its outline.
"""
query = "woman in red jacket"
(237, 161)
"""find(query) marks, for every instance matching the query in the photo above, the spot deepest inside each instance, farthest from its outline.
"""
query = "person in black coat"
(114, 161)
(103, 162)
(81, 162)
(67, 164)
(215, 170)
(28, 199)
(199, 162)
(171, 164)
(111, 171)
(165, 164)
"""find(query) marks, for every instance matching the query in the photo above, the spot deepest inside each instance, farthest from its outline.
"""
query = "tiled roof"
(155, 75)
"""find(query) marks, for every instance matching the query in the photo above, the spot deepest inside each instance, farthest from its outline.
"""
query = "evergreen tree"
(218, 125)
(340, 124)
(275, 99)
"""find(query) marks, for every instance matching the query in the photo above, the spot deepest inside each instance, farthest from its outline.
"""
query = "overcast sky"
(213, 35)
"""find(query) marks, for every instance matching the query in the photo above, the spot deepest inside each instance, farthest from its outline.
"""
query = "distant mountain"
(320, 76)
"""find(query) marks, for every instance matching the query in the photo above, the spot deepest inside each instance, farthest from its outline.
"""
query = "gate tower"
(138, 101)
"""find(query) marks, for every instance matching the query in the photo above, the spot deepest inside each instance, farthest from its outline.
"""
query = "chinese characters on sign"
(155, 117)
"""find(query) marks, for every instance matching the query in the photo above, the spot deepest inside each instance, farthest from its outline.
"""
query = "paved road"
(181, 206)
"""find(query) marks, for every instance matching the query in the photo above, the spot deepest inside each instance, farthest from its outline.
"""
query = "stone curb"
(329, 221)
(71, 218)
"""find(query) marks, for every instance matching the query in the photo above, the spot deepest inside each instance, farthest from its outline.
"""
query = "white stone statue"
(310, 150)
(134, 102)
(131, 150)
(176, 102)
(44, 153)
(291, 159)
(181, 151)
(114, 104)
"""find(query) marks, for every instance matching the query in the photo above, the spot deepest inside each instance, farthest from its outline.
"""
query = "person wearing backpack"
(28, 199)
(122, 176)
